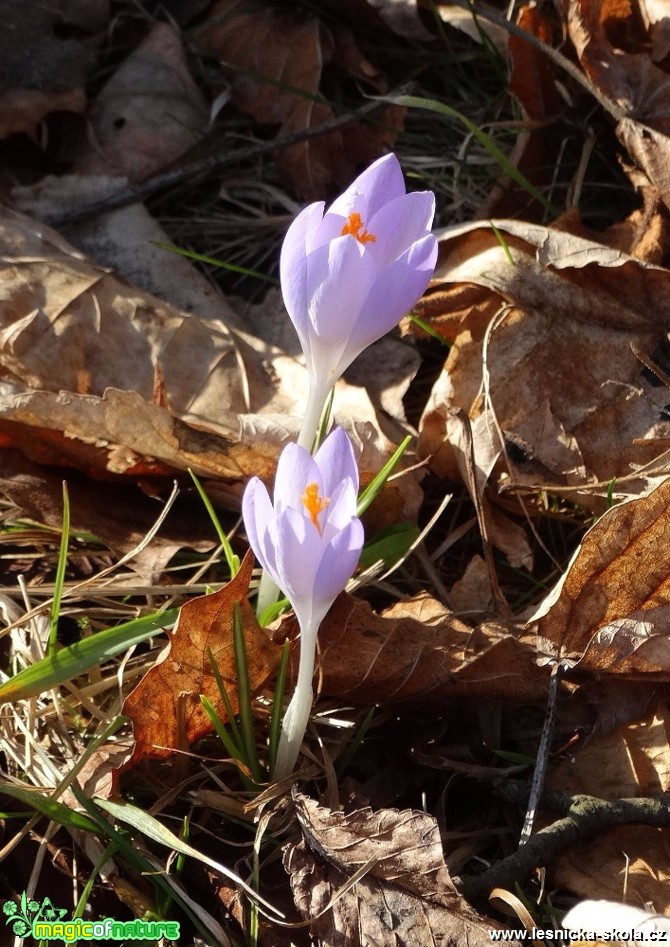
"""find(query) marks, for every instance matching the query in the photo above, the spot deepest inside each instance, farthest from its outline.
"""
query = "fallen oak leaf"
(278, 59)
(545, 296)
(165, 706)
(610, 611)
(403, 893)
(419, 650)
(101, 376)
(635, 89)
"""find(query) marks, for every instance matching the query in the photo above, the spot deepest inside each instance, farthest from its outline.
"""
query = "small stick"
(205, 166)
(583, 817)
(540, 771)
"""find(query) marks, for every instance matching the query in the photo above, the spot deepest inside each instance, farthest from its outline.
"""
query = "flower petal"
(293, 266)
(399, 224)
(341, 277)
(376, 186)
(299, 549)
(341, 509)
(396, 290)
(330, 227)
(257, 513)
(337, 462)
(338, 564)
(296, 468)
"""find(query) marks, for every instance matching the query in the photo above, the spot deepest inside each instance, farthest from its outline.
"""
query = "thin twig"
(208, 166)
(575, 72)
(585, 816)
(540, 771)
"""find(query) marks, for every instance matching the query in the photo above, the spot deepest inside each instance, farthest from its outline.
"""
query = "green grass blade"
(225, 700)
(244, 696)
(325, 420)
(142, 865)
(273, 611)
(232, 559)
(60, 571)
(88, 887)
(76, 659)
(347, 756)
(232, 748)
(503, 243)
(234, 752)
(201, 258)
(428, 329)
(277, 708)
(157, 832)
(417, 102)
(389, 545)
(375, 485)
(54, 811)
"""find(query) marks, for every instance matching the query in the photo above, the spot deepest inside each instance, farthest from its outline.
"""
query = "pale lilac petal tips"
(333, 263)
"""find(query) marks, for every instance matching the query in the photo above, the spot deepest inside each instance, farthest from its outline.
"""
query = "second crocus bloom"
(309, 541)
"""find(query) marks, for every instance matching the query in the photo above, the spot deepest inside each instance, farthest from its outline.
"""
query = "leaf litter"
(554, 392)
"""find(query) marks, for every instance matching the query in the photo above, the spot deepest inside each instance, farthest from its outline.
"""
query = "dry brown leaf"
(630, 861)
(542, 357)
(46, 51)
(148, 113)
(631, 82)
(610, 611)
(472, 592)
(279, 58)
(103, 377)
(121, 523)
(632, 761)
(165, 706)
(419, 650)
(405, 898)
(532, 83)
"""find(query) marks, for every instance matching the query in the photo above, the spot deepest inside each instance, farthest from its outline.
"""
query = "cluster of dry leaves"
(124, 364)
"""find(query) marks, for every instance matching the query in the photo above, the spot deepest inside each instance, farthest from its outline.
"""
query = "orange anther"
(314, 504)
(354, 227)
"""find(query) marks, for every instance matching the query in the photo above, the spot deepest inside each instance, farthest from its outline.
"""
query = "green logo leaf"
(50, 913)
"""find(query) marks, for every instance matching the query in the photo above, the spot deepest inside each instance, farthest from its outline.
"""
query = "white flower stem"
(297, 713)
(268, 592)
(310, 425)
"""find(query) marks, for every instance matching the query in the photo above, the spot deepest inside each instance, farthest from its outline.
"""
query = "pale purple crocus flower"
(309, 541)
(350, 274)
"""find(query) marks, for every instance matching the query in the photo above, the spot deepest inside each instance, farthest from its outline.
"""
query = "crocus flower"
(349, 275)
(309, 541)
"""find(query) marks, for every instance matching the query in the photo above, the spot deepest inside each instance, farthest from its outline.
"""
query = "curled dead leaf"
(165, 706)
(610, 611)
(279, 58)
(635, 88)
(543, 358)
(406, 874)
(419, 650)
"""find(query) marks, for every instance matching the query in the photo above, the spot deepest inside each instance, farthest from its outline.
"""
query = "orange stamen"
(314, 504)
(352, 227)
